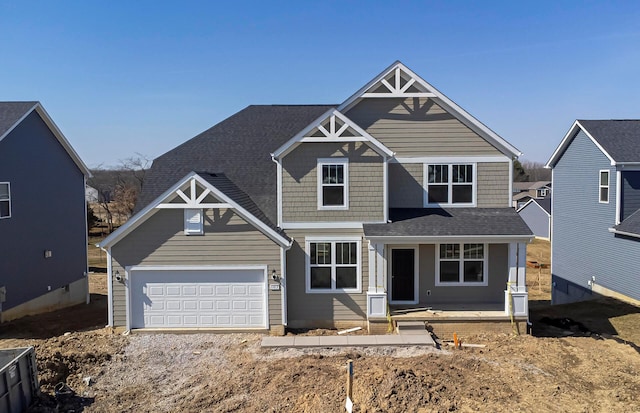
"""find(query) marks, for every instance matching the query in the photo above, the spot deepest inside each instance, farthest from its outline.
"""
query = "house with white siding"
(307, 216)
(595, 230)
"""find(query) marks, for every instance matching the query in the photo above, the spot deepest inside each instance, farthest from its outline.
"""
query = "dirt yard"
(590, 363)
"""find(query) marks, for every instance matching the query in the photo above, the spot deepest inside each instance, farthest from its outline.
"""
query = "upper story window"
(333, 265)
(333, 183)
(193, 222)
(5, 200)
(450, 184)
(604, 187)
(462, 264)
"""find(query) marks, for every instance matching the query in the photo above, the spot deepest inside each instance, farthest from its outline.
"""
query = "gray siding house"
(536, 213)
(306, 216)
(43, 225)
(596, 211)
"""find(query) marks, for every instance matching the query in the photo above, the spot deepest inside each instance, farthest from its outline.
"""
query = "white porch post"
(516, 298)
(376, 295)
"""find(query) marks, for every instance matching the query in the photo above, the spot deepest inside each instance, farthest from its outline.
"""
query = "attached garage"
(197, 297)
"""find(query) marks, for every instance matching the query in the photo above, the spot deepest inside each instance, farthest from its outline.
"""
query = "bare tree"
(536, 171)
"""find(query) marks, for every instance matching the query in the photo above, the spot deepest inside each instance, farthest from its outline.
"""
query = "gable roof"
(523, 186)
(13, 113)
(619, 140)
(423, 88)
(333, 134)
(544, 204)
(240, 146)
(221, 188)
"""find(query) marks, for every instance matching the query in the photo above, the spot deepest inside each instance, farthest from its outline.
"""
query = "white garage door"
(198, 298)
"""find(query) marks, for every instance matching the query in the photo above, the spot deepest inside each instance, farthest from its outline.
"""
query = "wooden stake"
(455, 340)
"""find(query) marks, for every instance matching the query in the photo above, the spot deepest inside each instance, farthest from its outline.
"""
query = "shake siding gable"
(418, 127)
(300, 183)
(227, 240)
(582, 245)
(493, 185)
(406, 185)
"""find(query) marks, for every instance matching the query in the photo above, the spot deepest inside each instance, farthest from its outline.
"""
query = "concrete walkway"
(349, 341)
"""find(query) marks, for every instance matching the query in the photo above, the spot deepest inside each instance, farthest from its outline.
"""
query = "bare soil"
(588, 364)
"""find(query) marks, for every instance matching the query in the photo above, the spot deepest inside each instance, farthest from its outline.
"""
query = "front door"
(403, 275)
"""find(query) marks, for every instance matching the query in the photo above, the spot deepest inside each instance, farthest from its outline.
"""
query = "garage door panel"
(198, 298)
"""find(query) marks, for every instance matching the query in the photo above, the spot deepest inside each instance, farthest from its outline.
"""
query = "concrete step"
(410, 327)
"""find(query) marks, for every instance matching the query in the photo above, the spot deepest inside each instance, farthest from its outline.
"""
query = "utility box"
(18, 379)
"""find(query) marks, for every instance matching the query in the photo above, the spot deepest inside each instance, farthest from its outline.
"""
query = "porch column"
(376, 295)
(516, 298)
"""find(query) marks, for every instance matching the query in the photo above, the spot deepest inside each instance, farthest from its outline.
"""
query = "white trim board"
(566, 141)
(534, 201)
(449, 159)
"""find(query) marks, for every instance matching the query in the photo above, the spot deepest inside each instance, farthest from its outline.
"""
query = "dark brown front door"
(403, 274)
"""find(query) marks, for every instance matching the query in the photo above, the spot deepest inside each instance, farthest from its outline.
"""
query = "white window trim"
(425, 185)
(188, 231)
(461, 260)
(333, 161)
(8, 199)
(600, 186)
(333, 241)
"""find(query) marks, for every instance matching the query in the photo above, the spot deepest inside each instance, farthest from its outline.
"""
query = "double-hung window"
(604, 187)
(449, 184)
(5, 200)
(333, 266)
(461, 264)
(333, 183)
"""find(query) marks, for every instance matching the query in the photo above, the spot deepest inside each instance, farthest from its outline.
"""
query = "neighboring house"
(523, 192)
(91, 194)
(311, 216)
(537, 215)
(595, 229)
(43, 225)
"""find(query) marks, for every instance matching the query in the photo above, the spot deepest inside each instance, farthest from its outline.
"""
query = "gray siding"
(405, 185)
(582, 246)
(417, 127)
(227, 240)
(493, 185)
(48, 213)
(537, 219)
(322, 309)
(630, 193)
(300, 183)
(491, 294)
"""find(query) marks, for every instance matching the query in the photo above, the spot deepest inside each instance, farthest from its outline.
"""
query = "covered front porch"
(448, 278)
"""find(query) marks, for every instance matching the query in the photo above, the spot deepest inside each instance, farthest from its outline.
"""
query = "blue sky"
(120, 77)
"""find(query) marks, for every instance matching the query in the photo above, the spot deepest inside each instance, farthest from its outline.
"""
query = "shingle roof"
(450, 222)
(240, 147)
(545, 204)
(619, 138)
(11, 112)
(221, 182)
(631, 225)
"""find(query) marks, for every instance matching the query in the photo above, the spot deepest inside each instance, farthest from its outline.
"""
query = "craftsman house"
(43, 224)
(595, 228)
(326, 216)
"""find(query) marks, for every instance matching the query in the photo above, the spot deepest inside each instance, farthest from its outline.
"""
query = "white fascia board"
(440, 98)
(195, 267)
(449, 159)
(152, 208)
(430, 239)
(56, 132)
(300, 137)
(566, 141)
(525, 205)
(626, 234)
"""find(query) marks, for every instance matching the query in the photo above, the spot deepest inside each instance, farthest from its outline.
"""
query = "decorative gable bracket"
(333, 126)
(398, 83)
(194, 200)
